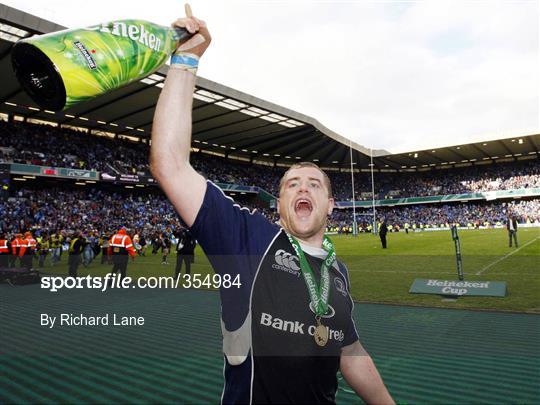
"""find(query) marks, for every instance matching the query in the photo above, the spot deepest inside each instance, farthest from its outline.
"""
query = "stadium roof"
(229, 122)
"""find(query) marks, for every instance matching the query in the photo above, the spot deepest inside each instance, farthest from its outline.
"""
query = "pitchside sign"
(459, 288)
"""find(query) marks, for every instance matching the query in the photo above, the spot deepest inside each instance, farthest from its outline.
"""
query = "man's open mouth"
(303, 207)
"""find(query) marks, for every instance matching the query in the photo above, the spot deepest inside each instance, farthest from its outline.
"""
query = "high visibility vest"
(120, 244)
(72, 245)
(28, 247)
(4, 248)
(55, 242)
(16, 246)
(43, 246)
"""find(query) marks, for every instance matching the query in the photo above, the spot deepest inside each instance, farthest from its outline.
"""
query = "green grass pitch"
(385, 276)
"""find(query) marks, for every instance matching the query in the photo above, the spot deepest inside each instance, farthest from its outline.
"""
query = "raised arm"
(171, 131)
(361, 374)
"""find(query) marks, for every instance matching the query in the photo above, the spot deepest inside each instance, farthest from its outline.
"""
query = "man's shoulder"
(343, 270)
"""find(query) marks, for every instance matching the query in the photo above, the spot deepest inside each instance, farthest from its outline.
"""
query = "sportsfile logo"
(286, 262)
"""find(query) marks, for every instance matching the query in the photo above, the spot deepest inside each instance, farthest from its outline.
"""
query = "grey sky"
(398, 75)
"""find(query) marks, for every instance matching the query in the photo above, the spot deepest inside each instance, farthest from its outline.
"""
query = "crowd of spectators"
(442, 215)
(506, 176)
(63, 147)
(103, 211)
(88, 210)
(45, 145)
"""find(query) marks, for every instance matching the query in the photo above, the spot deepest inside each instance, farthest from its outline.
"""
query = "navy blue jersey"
(268, 323)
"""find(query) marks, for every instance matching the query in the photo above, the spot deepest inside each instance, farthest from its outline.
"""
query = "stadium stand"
(100, 210)
(45, 145)
(106, 210)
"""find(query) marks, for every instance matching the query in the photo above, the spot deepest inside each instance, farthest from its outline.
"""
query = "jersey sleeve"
(234, 240)
(224, 228)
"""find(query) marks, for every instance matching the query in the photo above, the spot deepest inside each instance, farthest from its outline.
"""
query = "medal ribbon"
(319, 294)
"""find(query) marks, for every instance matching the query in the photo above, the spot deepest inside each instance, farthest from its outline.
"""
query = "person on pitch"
(120, 246)
(512, 227)
(16, 244)
(27, 251)
(185, 252)
(287, 325)
(383, 231)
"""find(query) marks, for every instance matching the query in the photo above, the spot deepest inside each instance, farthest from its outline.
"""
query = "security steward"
(76, 247)
(4, 251)
(56, 247)
(120, 246)
(16, 244)
(27, 251)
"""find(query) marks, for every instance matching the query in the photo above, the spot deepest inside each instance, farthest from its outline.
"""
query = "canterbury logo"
(287, 262)
(286, 259)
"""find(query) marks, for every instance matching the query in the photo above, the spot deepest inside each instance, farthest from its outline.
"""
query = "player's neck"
(313, 241)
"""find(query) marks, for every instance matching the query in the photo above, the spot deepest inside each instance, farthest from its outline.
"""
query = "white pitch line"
(505, 256)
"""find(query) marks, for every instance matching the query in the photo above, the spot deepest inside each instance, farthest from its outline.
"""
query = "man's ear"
(277, 206)
(331, 204)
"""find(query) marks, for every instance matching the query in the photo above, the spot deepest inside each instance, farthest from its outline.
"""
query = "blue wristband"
(185, 61)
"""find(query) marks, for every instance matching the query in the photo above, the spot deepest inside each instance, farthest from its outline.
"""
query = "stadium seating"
(103, 210)
(97, 210)
(61, 147)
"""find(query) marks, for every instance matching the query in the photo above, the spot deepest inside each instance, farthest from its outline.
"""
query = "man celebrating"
(287, 329)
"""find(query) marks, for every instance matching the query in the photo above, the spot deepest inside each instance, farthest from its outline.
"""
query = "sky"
(394, 75)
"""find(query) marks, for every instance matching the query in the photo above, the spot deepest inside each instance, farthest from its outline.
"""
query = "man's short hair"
(300, 165)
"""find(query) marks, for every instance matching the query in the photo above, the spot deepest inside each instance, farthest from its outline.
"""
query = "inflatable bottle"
(61, 69)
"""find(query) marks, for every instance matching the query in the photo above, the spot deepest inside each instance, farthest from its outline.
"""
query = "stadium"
(85, 171)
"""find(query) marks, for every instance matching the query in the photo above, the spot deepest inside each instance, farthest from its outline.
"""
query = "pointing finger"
(187, 8)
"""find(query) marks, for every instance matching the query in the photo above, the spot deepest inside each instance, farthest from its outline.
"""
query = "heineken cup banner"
(63, 68)
(459, 288)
